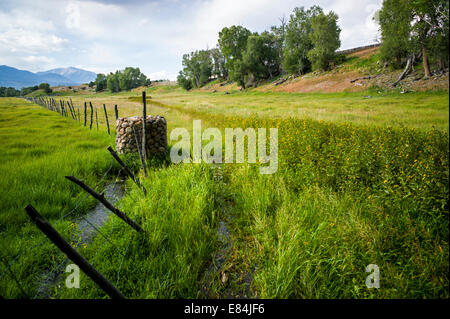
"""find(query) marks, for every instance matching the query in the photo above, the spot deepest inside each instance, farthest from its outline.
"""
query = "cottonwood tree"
(219, 69)
(232, 43)
(279, 33)
(325, 40)
(415, 28)
(198, 67)
(395, 23)
(298, 40)
(430, 27)
(261, 57)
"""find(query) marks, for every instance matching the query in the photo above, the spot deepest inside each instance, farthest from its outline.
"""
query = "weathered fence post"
(144, 119)
(116, 111)
(106, 115)
(85, 107)
(92, 115)
(127, 170)
(96, 118)
(62, 108)
(71, 111)
(72, 254)
(101, 198)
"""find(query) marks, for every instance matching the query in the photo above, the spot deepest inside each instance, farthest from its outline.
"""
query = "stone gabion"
(155, 135)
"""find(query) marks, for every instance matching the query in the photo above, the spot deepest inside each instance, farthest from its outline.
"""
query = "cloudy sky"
(107, 35)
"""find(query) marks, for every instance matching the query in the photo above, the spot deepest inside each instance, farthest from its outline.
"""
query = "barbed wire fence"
(67, 109)
(50, 277)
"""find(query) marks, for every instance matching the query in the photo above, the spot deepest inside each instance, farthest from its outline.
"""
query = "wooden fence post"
(127, 170)
(92, 115)
(72, 254)
(62, 108)
(144, 119)
(116, 111)
(85, 107)
(71, 111)
(96, 118)
(101, 198)
(106, 115)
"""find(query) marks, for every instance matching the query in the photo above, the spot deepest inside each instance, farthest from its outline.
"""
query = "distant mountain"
(12, 77)
(78, 76)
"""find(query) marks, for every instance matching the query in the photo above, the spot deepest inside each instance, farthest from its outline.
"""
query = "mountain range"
(12, 77)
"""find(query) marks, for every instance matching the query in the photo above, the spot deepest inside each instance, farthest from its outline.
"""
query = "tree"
(127, 79)
(238, 73)
(183, 81)
(395, 23)
(8, 92)
(45, 87)
(261, 58)
(131, 78)
(325, 40)
(280, 37)
(429, 27)
(232, 43)
(100, 82)
(219, 69)
(415, 28)
(198, 67)
(298, 40)
(112, 82)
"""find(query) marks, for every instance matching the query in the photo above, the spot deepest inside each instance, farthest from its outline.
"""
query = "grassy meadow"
(362, 179)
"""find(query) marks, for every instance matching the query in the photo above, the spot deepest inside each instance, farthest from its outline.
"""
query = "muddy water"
(96, 217)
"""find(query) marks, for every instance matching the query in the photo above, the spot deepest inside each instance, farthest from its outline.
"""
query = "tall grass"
(179, 217)
(39, 148)
(344, 196)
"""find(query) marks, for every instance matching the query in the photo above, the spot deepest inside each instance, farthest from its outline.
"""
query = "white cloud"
(73, 15)
(107, 35)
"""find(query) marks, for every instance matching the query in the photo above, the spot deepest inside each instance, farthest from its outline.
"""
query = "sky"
(108, 35)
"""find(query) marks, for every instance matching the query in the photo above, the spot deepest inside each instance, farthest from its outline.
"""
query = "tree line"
(413, 30)
(123, 80)
(11, 92)
(307, 41)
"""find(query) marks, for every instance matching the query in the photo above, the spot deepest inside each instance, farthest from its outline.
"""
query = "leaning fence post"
(101, 198)
(92, 114)
(62, 108)
(127, 170)
(72, 254)
(106, 115)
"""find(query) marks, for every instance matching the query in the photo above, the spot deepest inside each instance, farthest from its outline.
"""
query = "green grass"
(39, 148)
(179, 242)
(348, 192)
(422, 110)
